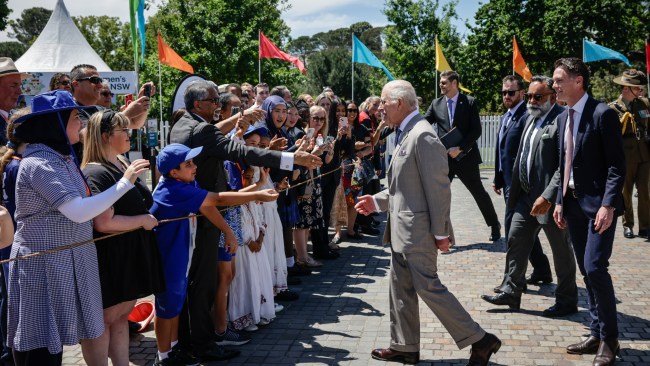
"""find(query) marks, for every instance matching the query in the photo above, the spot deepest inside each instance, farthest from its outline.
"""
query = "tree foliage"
(110, 38)
(12, 49)
(410, 41)
(547, 30)
(4, 14)
(30, 24)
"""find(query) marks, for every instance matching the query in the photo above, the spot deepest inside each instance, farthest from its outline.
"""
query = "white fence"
(486, 143)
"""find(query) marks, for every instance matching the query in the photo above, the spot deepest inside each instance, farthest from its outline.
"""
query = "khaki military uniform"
(636, 143)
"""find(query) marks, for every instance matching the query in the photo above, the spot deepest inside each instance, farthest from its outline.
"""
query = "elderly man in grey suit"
(535, 182)
(417, 200)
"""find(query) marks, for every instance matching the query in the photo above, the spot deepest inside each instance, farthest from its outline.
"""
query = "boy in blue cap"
(178, 195)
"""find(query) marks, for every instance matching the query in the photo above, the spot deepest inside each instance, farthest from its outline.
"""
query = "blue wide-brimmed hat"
(259, 130)
(51, 102)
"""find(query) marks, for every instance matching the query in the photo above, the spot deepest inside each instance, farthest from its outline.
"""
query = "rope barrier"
(75, 245)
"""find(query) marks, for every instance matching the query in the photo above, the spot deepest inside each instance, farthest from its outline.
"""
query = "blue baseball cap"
(173, 155)
(260, 130)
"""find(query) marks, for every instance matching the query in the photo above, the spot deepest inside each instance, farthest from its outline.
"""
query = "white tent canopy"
(60, 47)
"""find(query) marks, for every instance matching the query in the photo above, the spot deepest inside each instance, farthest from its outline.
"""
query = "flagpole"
(513, 51)
(352, 38)
(160, 90)
(436, 69)
(259, 59)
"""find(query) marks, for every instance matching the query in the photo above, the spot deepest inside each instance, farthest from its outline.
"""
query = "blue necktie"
(398, 133)
(504, 125)
(450, 109)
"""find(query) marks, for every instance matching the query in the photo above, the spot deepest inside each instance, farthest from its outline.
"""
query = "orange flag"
(169, 57)
(518, 63)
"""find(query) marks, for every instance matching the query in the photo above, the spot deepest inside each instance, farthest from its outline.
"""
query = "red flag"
(270, 50)
(647, 55)
(169, 57)
(518, 63)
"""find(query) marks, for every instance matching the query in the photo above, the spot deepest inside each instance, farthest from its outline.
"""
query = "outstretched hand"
(365, 205)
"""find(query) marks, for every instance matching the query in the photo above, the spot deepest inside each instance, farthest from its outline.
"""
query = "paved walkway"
(343, 310)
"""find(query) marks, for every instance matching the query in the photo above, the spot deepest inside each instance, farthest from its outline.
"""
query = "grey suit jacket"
(418, 196)
(543, 177)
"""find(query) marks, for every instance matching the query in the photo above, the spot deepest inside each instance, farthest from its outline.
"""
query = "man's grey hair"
(225, 99)
(397, 89)
(197, 90)
(544, 80)
(105, 84)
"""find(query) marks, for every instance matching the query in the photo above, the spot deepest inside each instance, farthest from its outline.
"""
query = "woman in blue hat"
(55, 298)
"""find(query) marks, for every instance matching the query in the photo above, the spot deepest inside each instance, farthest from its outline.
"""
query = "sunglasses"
(318, 119)
(107, 94)
(64, 82)
(537, 97)
(353, 110)
(510, 93)
(92, 79)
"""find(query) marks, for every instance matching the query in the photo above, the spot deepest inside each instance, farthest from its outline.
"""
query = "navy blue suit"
(598, 174)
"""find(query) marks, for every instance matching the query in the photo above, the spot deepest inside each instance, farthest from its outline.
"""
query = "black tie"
(523, 162)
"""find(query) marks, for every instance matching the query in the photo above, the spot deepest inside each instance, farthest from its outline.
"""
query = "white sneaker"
(278, 307)
(251, 328)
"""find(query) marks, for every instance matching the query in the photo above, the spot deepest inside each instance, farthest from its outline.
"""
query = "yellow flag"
(443, 65)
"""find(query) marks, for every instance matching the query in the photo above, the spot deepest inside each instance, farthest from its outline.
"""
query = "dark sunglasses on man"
(510, 93)
(92, 79)
(107, 94)
(537, 97)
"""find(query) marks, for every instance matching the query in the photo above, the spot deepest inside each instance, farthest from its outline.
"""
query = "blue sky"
(304, 17)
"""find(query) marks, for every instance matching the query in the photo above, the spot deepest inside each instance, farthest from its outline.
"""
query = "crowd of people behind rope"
(246, 158)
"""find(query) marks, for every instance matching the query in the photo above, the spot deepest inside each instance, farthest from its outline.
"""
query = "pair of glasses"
(537, 97)
(107, 94)
(510, 93)
(318, 119)
(353, 110)
(213, 100)
(64, 82)
(92, 79)
(125, 130)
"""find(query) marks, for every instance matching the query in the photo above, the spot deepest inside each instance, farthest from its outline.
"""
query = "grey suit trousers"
(413, 274)
(523, 231)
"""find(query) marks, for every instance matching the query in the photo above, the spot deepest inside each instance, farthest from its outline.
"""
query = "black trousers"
(37, 357)
(329, 183)
(196, 326)
(469, 174)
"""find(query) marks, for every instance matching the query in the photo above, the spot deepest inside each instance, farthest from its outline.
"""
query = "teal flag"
(594, 52)
(362, 55)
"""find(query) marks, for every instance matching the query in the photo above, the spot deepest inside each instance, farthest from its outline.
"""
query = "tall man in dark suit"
(592, 173)
(535, 182)
(508, 137)
(417, 200)
(193, 130)
(455, 110)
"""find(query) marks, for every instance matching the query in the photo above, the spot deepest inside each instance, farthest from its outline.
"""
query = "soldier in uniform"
(634, 111)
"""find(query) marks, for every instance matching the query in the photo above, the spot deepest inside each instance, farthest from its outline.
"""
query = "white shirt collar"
(580, 104)
(407, 119)
(543, 117)
(5, 114)
(513, 109)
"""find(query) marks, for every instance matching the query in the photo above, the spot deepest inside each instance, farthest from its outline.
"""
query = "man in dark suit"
(592, 173)
(455, 110)
(195, 129)
(417, 199)
(508, 137)
(534, 186)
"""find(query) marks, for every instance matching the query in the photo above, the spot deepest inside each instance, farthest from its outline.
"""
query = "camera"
(147, 90)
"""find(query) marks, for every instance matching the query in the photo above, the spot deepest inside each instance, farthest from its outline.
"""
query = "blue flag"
(361, 54)
(141, 29)
(594, 52)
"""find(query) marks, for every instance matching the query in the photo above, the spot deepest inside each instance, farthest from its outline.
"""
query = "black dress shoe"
(298, 270)
(497, 290)
(643, 233)
(327, 255)
(483, 350)
(504, 299)
(217, 353)
(587, 347)
(286, 295)
(387, 354)
(558, 310)
(534, 279)
(607, 352)
(370, 230)
(496, 232)
(628, 233)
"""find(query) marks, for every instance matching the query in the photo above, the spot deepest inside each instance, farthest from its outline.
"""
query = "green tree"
(410, 41)
(4, 14)
(12, 50)
(30, 24)
(547, 30)
(110, 38)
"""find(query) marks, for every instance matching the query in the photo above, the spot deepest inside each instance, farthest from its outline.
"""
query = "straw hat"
(631, 77)
(7, 67)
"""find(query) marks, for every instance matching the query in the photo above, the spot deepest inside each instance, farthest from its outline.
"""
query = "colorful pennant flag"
(169, 57)
(362, 55)
(594, 52)
(518, 63)
(270, 50)
(443, 65)
(137, 7)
